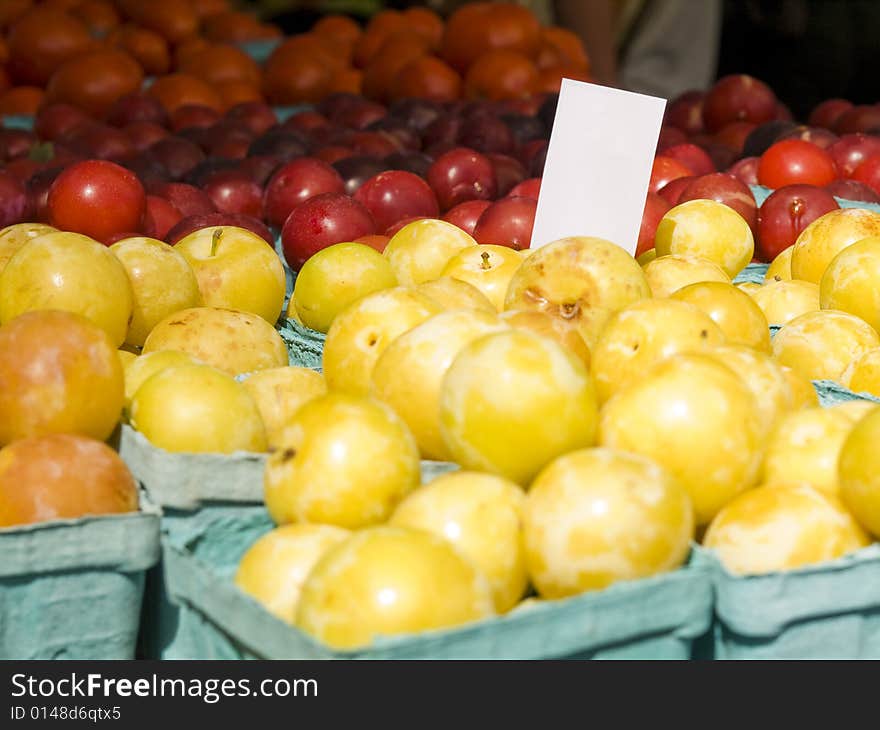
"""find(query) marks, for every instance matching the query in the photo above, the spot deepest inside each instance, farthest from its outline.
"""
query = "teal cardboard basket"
(825, 611)
(73, 589)
(655, 618)
(193, 490)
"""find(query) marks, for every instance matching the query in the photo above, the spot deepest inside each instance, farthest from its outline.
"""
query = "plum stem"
(485, 265)
(215, 240)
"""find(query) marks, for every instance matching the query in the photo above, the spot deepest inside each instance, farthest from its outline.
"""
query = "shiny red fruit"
(320, 222)
(185, 198)
(160, 217)
(692, 156)
(234, 192)
(686, 112)
(665, 170)
(396, 194)
(853, 190)
(507, 222)
(738, 98)
(852, 150)
(295, 183)
(726, 189)
(746, 170)
(465, 215)
(869, 173)
(785, 213)
(462, 174)
(671, 192)
(97, 198)
(655, 208)
(795, 162)
(196, 222)
(826, 113)
(529, 188)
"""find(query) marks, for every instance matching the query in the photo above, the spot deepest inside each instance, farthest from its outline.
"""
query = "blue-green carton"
(73, 589)
(824, 611)
(655, 618)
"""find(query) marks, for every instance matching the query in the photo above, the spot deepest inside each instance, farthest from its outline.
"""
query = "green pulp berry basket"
(655, 618)
(73, 589)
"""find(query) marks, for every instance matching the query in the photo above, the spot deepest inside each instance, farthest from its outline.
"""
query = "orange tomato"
(340, 28)
(41, 41)
(174, 20)
(397, 51)
(180, 89)
(234, 92)
(95, 80)
(381, 26)
(428, 77)
(221, 62)
(147, 47)
(477, 28)
(426, 23)
(21, 100)
(500, 75)
(99, 16)
(348, 81)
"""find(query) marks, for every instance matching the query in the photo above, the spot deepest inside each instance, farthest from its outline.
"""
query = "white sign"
(598, 164)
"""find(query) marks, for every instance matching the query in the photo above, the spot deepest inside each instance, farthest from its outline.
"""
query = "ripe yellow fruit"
(342, 460)
(780, 267)
(820, 345)
(144, 367)
(230, 340)
(855, 410)
(72, 273)
(749, 287)
(362, 331)
(645, 333)
(804, 447)
(390, 580)
(863, 374)
(280, 392)
(455, 294)
(162, 282)
(275, 567)
(668, 274)
(486, 266)
(707, 229)
(735, 312)
(851, 283)
(419, 251)
(334, 278)
(481, 514)
(695, 417)
(859, 472)
(777, 528)
(561, 330)
(235, 268)
(580, 279)
(782, 301)
(126, 358)
(597, 516)
(17, 235)
(59, 373)
(826, 237)
(763, 376)
(409, 374)
(197, 409)
(513, 401)
(803, 394)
